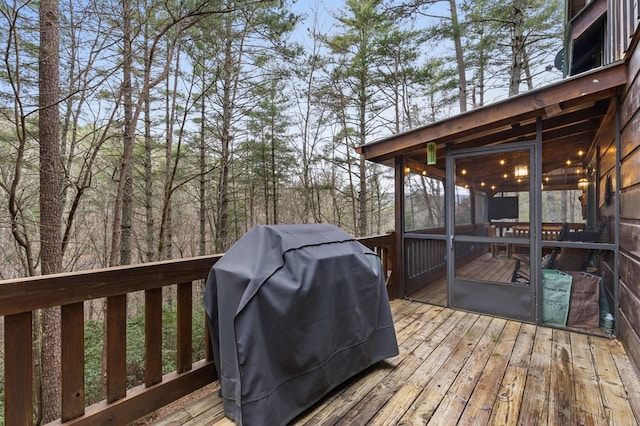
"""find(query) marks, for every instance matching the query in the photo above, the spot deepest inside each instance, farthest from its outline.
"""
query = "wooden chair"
(520, 231)
(497, 248)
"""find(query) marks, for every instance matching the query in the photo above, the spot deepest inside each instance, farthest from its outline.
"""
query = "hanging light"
(431, 153)
(583, 183)
(521, 171)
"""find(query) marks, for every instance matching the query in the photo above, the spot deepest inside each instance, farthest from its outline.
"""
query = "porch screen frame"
(535, 181)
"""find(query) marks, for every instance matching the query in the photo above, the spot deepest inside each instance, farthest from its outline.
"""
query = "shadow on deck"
(456, 367)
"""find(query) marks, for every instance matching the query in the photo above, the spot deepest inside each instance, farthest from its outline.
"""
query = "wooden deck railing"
(383, 246)
(21, 298)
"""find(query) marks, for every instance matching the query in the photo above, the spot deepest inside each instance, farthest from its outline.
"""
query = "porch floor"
(484, 268)
(457, 367)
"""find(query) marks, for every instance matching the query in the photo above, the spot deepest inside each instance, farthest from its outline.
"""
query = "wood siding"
(628, 316)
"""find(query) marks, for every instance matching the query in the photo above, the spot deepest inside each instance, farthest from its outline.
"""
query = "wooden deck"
(462, 368)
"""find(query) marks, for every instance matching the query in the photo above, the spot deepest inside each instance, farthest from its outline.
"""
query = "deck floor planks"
(628, 374)
(508, 401)
(535, 399)
(455, 366)
(561, 392)
(211, 415)
(485, 391)
(616, 401)
(453, 404)
(365, 407)
(343, 400)
(416, 365)
(444, 369)
(589, 407)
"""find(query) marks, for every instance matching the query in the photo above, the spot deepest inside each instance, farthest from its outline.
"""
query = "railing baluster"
(72, 347)
(18, 369)
(153, 336)
(185, 338)
(208, 347)
(116, 347)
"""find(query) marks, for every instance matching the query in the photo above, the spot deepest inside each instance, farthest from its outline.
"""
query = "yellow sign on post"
(431, 153)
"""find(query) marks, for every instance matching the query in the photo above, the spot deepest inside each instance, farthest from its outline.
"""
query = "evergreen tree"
(356, 81)
(267, 152)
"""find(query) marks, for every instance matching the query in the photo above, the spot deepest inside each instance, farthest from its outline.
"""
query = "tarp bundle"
(294, 310)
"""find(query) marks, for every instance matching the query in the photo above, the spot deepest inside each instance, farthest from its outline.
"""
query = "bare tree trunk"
(18, 227)
(202, 211)
(164, 241)
(274, 179)
(517, 47)
(125, 165)
(222, 210)
(457, 40)
(50, 200)
(148, 170)
(363, 226)
(122, 207)
(527, 68)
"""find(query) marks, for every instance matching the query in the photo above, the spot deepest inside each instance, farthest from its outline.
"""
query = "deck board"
(455, 367)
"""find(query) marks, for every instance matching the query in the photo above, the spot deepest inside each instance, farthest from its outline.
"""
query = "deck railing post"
(153, 336)
(116, 354)
(185, 336)
(72, 353)
(18, 369)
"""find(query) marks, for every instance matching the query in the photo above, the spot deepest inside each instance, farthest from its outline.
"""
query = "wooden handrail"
(383, 246)
(20, 298)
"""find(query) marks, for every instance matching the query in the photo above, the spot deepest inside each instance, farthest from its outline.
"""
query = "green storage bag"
(556, 294)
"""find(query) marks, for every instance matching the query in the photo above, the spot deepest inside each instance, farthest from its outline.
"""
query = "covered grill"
(294, 310)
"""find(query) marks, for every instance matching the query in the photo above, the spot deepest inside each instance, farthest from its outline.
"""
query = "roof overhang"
(571, 111)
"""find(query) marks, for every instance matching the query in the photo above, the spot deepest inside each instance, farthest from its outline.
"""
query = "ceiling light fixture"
(583, 183)
(521, 171)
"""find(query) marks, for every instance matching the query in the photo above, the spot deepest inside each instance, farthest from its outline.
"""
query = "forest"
(137, 131)
(179, 125)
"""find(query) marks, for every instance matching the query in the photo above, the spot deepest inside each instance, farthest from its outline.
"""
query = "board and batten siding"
(628, 314)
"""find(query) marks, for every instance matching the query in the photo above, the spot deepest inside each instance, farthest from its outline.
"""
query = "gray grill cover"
(294, 311)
